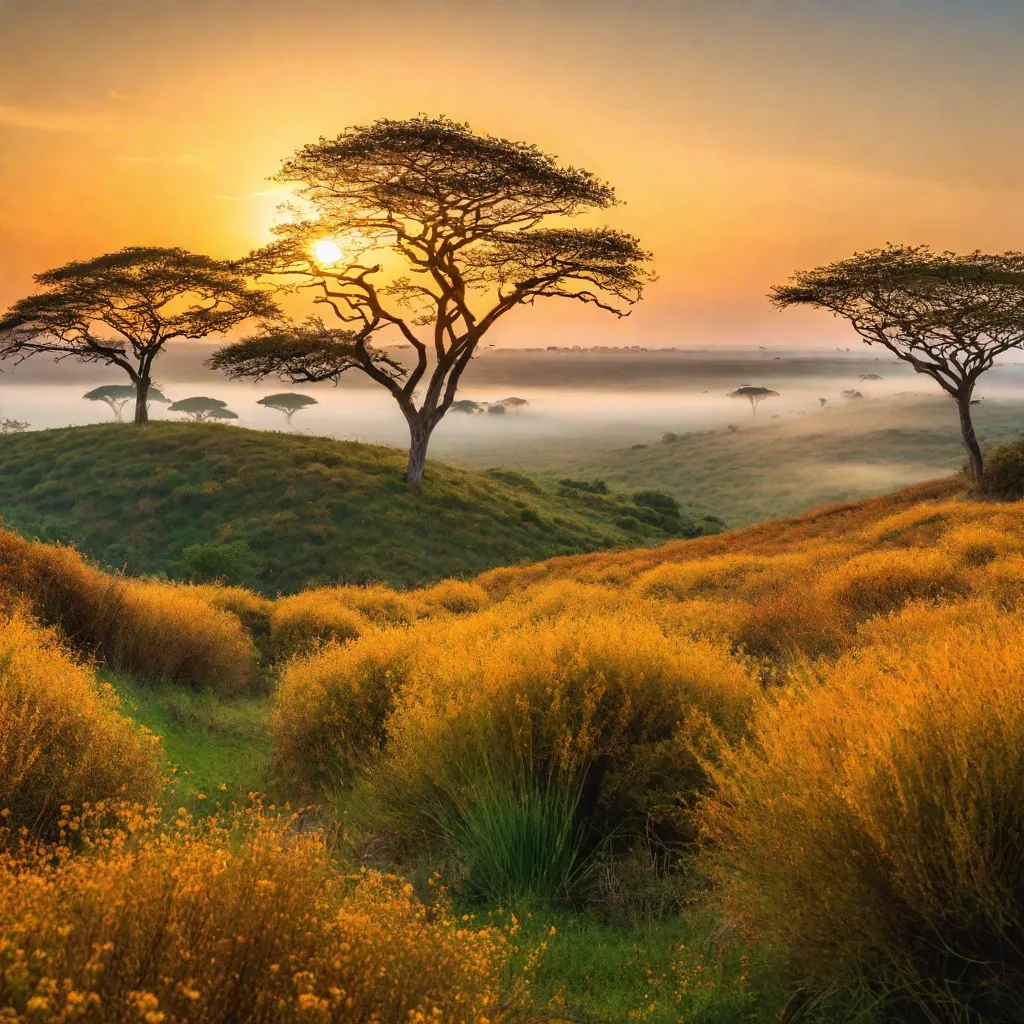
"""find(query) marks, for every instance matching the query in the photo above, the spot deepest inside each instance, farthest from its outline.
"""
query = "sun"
(326, 251)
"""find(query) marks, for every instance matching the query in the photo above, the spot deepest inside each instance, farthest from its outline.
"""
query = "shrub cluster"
(154, 631)
(209, 924)
(63, 739)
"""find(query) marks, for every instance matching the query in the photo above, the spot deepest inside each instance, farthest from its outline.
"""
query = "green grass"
(775, 468)
(278, 512)
(209, 741)
(660, 971)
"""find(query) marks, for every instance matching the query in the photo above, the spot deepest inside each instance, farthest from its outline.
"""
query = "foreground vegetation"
(278, 512)
(635, 785)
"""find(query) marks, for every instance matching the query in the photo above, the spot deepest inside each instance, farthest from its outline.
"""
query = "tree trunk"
(963, 404)
(419, 438)
(142, 400)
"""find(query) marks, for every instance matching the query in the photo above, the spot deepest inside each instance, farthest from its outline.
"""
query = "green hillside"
(279, 511)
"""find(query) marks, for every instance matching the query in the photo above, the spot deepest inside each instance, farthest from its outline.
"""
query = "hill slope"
(279, 511)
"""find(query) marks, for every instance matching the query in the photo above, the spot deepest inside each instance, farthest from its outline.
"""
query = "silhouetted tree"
(288, 402)
(463, 217)
(122, 308)
(497, 409)
(117, 396)
(822, 402)
(9, 426)
(515, 404)
(948, 315)
(465, 405)
(870, 376)
(202, 409)
(754, 395)
(851, 393)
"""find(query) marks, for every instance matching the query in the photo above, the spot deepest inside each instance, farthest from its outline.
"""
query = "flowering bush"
(209, 924)
(62, 737)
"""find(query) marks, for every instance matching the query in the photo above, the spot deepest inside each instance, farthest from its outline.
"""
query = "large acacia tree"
(424, 232)
(122, 309)
(947, 315)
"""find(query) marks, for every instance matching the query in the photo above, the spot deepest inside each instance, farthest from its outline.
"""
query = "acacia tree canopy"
(753, 394)
(202, 409)
(117, 396)
(948, 315)
(287, 402)
(123, 307)
(437, 232)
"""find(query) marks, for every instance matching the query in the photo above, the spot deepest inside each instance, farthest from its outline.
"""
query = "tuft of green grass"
(516, 840)
(278, 512)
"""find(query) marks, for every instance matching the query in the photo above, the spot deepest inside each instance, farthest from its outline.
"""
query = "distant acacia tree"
(497, 409)
(124, 307)
(425, 229)
(466, 405)
(9, 426)
(288, 402)
(851, 393)
(948, 315)
(754, 395)
(870, 376)
(117, 396)
(202, 409)
(822, 402)
(515, 404)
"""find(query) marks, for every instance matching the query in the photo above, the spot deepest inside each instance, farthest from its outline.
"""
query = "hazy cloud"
(54, 120)
(178, 160)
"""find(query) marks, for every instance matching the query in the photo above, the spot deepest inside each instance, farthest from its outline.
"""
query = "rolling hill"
(278, 512)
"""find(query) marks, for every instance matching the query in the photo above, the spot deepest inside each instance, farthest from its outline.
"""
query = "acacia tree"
(754, 395)
(117, 396)
(288, 402)
(202, 409)
(428, 232)
(948, 315)
(124, 307)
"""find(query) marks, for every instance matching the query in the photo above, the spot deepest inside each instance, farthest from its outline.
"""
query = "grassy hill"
(277, 512)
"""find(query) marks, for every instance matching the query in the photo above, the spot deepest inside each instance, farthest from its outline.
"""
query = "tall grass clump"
(207, 924)
(62, 737)
(607, 707)
(516, 839)
(873, 827)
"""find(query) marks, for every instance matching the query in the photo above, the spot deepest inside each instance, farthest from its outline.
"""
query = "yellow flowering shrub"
(608, 704)
(168, 632)
(154, 630)
(456, 596)
(330, 708)
(62, 737)
(873, 828)
(203, 924)
(303, 621)
(877, 582)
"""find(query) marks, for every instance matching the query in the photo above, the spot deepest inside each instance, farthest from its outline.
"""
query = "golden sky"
(747, 137)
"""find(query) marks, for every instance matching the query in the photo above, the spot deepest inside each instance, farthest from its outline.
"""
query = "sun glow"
(326, 251)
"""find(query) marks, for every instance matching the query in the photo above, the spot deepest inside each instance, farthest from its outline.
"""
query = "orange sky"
(748, 138)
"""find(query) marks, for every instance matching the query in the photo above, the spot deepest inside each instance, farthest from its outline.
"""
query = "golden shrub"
(330, 708)
(155, 631)
(880, 581)
(169, 632)
(251, 609)
(195, 925)
(889, 799)
(978, 544)
(456, 596)
(62, 738)
(380, 604)
(606, 703)
(304, 621)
